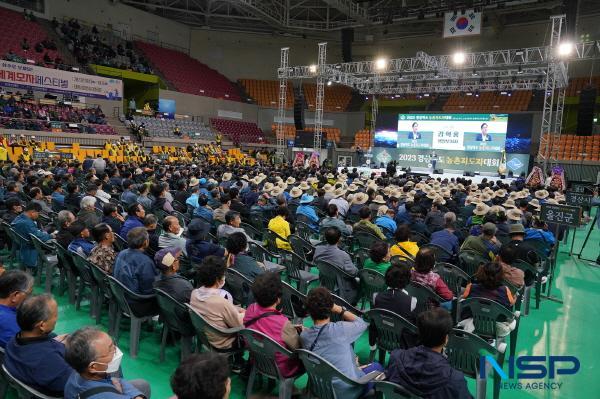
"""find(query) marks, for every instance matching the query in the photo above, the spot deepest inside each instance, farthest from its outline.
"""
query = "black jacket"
(426, 373)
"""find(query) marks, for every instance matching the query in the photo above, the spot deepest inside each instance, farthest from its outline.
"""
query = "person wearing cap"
(14, 208)
(103, 254)
(308, 211)
(178, 287)
(281, 227)
(385, 221)
(365, 224)
(128, 197)
(80, 245)
(198, 246)
(484, 244)
(332, 220)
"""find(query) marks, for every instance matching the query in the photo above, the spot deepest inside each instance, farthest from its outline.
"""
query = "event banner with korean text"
(472, 161)
(31, 77)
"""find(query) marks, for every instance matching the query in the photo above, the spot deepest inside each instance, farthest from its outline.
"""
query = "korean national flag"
(459, 24)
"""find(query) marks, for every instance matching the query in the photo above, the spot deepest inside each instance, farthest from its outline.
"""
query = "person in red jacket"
(423, 274)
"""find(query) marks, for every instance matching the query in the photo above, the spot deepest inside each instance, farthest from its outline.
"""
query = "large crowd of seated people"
(90, 47)
(183, 227)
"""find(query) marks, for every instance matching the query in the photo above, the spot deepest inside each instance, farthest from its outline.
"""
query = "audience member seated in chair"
(385, 221)
(136, 270)
(15, 286)
(365, 223)
(96, 359)
(404, 248)
(489, 285)
(308, 211)
(540, 232)
(204, 375)
(446, 238)
(24, 224)
(333, 254)
(423, 273)
(171, 235)
(202, 210)
(14, 207)
(135, 218)
(112, 217)
(35, 356)
(215, 304)
(506, 257)
(333, 341)
(424, 370)
(396, 299)
(64, 220)
(198, 246)
(379, 257)
(232, 225)
(167, 261)
(264, 317)
(103, 255)
(80, 245)
(88, 214)
(237, 258)
(281, 227)
(333, 220)
(484, 244)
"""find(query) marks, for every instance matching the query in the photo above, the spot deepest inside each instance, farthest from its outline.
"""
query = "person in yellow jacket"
(281, 226)
(404, 247)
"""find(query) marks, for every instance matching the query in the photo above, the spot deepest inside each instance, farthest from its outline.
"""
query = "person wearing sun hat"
(376, 203)
(308, 211)
(226, 181)
(479, 213)
(294, 196)
(339, 201)
(169, 281)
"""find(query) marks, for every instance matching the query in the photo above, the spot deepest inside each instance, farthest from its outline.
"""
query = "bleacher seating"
(239, 131)
(336, 99)
(329, 133)
(488, 101)
(187, 74)
(165, 127)
(579, 148)
(577, 84)
(363, 139)
(13, 29)
(266, 92)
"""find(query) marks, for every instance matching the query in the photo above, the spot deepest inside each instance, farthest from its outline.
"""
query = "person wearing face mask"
(35, 356)
(167, 261)
(171, 236)
(216, 305)
(94, 357)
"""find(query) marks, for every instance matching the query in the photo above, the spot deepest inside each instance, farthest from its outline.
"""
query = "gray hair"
(14, 281)
(33, 310)
(137, 237)
(63, 217)
(88, 202)
(79, 349)
(449, 219)
(150, 219)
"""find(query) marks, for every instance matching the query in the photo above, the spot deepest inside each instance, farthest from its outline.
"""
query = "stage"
(446, 175)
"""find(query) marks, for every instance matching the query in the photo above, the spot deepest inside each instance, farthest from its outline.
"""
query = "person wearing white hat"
(376, 203)
(339, 201)
(358, 201)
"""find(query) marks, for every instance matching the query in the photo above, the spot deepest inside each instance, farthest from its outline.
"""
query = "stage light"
(469, 93)
(312, 68)
(381, 64)
(459, 58)
(329, 83)
(565, 49)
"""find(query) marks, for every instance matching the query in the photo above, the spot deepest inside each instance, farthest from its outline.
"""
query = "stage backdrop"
(31, 77)
(466, 142)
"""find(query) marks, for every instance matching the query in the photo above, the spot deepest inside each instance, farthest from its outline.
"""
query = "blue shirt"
(541, 235)
(192, 201)
(25, 226)
(81, 246)
(76, 384)
(388, 223)
(310, 213)
(198, 250)
(58, 198)
(128, 198)
(204, 212)
(130, 223)
(135, 270)
(446, 240)
(8, 324)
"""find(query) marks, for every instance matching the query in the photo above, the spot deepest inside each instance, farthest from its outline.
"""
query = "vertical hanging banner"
(458, 24)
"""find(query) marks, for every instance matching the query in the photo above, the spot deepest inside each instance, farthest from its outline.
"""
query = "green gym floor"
(555, 329)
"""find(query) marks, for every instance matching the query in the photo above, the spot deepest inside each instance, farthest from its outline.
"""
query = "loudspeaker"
(347, 39)
(585, 115)
(299, 106)
(467, 173)
(438, 171)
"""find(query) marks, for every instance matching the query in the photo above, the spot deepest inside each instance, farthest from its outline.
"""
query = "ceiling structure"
(319, 18)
